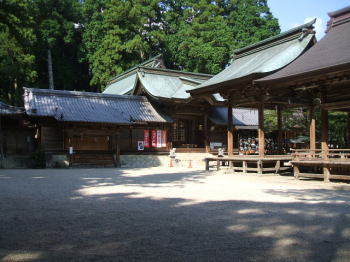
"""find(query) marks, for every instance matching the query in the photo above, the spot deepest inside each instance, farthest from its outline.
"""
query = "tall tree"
(16, 39)
(57, 30)
(126, 33)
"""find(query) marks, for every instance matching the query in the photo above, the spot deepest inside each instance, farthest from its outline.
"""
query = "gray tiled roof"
(72, 106)
(6, 109)
(242, 117)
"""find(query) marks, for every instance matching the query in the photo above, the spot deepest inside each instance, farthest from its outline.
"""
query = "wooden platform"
(251, 163)
(330, 164)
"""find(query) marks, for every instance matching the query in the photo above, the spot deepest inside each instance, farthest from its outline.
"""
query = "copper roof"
(330, 54)
(260, 59)
(72, 106)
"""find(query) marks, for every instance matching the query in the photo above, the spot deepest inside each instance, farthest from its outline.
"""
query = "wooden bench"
(325, 165)
(250, 163)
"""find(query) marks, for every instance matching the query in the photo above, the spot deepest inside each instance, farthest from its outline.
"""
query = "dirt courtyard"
(173, 214)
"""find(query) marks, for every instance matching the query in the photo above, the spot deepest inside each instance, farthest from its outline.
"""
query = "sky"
(292, 13)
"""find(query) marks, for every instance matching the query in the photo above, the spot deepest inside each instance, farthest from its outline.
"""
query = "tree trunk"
(49, 66)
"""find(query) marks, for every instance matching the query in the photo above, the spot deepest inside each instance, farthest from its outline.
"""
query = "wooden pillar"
(130, 139)
(1, 143)
(229, 128)
(312, 129)
(348, 131)
(324, 129)
(324, 142)
(279, 126)
(261, 131)
(206, 134)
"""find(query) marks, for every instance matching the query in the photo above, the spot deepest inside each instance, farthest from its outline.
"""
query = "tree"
(202, 34)
(16, 39)
(126, 33)
(57, 31)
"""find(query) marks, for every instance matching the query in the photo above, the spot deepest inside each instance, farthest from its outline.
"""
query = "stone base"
(190, 160)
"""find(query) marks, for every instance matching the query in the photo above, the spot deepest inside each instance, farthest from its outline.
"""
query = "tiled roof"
(242, 117)
(6, 109)
(330, 53)
(72, 106)
(264, 57)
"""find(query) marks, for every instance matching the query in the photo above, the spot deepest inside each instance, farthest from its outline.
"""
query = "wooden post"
(296, 171)
(348, 133)
(324, 130)
(244, 165)
(261, 131)
(312, 130)
(1, 142)
(206, 135)
(229, 128)
(279, 126)
(324, 142)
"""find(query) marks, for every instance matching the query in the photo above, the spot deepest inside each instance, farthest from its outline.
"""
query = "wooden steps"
(96, 160)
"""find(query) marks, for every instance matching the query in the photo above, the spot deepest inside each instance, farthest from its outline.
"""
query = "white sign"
(71, 150)
(214, 145)
(140, 145)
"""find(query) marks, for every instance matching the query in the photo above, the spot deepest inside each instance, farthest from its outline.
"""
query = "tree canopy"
(90, 41)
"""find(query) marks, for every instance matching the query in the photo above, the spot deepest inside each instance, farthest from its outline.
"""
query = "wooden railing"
(327, 164)
(319, 154)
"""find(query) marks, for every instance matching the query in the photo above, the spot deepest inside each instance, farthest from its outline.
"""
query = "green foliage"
(16, 58)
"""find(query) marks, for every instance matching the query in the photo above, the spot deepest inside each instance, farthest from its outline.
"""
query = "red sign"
(154, 138)
(163, 138)
(146, 138)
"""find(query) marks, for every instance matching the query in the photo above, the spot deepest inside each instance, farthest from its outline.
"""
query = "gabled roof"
(6, 109)
(72, 106)
(124, 83)
(330, 54)
(159, 83)
(262, 58)
(243, 118)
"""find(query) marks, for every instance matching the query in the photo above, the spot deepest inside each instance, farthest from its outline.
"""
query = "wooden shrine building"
(320, 78)
(16, 133)
(197, 124)
(85, 127)
(236, 82)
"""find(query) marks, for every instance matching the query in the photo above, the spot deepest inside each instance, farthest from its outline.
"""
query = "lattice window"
(179, 131)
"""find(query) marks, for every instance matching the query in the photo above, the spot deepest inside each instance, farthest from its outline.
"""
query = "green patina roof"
(263, 57)
(158, 82)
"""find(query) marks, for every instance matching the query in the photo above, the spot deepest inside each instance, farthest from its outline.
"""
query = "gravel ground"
(173, 214)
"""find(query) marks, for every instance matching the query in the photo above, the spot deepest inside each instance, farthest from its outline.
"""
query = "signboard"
(159, 138)
(154, 138)
(140, 145)
(146, 138)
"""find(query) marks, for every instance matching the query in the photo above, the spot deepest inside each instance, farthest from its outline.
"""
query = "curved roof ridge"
(81, 94)
(282, 36)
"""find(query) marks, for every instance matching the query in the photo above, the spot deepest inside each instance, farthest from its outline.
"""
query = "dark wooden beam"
(336, 105)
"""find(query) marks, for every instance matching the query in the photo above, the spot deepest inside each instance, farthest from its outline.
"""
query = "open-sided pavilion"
(236, 85)
(320, 78)
(317, 76)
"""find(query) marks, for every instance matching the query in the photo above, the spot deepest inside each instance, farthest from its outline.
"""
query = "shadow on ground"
(70, 216)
